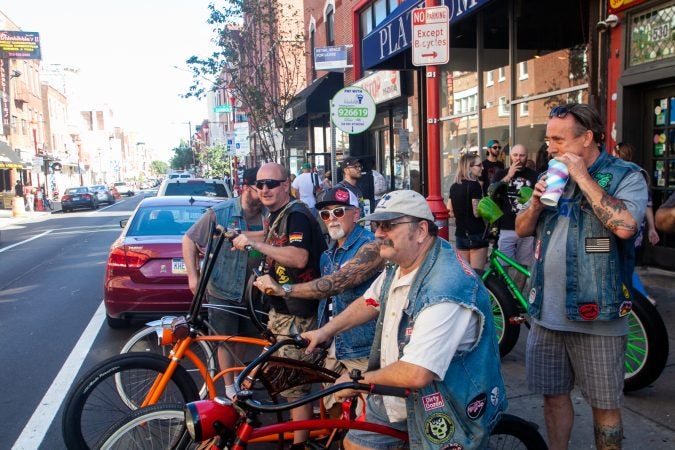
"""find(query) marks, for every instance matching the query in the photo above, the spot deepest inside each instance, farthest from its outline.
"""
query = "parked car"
(180, 175)
(205, 187)
(124, 189)
(103, 194)
(145, 276)
(78, 197)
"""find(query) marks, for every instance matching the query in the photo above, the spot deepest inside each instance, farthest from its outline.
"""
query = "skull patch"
(439, 428)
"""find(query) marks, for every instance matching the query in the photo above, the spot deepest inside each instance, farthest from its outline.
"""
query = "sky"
(127, 52)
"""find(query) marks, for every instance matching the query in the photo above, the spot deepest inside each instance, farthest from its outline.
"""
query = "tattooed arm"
(364, 265)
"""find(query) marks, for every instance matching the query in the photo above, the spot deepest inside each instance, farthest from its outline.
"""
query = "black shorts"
(471, 241)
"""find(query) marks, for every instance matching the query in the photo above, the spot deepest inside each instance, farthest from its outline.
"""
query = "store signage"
(352, 110)
(382, 85)
(431, 36)
(614, 6)
(330, 58)
(394, 35)
(20, 45)
(4, 95)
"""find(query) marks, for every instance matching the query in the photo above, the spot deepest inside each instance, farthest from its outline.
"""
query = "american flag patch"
(597, 245)
(295, 237)
(464, 264)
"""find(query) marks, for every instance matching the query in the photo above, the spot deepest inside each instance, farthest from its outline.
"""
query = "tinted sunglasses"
(388, 226)
(497, 147)
(562, 111)
(271, 184)
(338, 213)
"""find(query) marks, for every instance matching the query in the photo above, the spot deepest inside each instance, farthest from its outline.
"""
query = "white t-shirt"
(304, 185)
(439, 331)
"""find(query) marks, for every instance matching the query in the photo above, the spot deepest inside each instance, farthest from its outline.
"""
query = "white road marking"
(23, 242)
(34, 432)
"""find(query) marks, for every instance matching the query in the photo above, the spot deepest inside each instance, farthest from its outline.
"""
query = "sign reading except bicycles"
(352, 110)
(431, 36)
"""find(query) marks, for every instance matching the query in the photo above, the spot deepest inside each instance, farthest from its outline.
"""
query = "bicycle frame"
(495, 266)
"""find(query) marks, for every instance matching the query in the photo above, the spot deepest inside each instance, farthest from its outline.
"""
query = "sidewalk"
(6, 219)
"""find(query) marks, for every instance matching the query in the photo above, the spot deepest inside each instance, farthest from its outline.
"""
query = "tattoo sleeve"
(365, 264)
(610, 210)
(608, 437)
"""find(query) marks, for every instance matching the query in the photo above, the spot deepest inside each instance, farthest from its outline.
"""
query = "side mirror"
(123, 223)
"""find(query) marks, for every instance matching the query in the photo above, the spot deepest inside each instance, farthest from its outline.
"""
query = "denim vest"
(356, 342)
(228, 278)
(464, 407)
(598, 281)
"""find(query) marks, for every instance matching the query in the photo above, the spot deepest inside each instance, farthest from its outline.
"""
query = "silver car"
(103, 194)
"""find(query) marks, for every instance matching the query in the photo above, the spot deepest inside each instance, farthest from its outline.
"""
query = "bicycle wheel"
(647, 347)
(159, 427)
(503, 307)
(145, 340)
(94, 403)
(512, 432)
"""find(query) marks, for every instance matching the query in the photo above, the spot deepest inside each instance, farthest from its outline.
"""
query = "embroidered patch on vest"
(476, 406)
(625, 292)
(439, 428)
(603, 179)
(533, 295)
(588, 311)
(597, 245)
(408, 331)
(465, 266)
(625, 308)
(537, 249)
(453, 446)
(494, 396)
(433, 401)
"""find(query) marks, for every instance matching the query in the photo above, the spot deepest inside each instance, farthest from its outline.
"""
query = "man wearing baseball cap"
(491, 164)
(305, 186)
(434, 335)
(227, 282)
(351, 172)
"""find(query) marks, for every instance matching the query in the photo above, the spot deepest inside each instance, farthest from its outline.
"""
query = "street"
(53, 328)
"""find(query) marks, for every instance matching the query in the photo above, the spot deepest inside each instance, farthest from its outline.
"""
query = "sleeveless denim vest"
(356, 342)
(228, 278)
(599, 263)
(462, 409)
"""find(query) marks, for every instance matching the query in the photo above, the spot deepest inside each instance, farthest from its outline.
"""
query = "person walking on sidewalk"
(29, 196)
(581, 279)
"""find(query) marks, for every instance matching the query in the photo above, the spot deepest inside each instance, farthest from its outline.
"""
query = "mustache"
(387, 242)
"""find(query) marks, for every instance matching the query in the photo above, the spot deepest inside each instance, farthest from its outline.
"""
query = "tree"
(260, 62)
(183, 157)
(158, 167)
(215, 161)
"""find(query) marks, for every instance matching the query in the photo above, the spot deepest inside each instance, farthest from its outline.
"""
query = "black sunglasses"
(562, 111)
(271, 184)
(388, 226)
(338, 212)
(497, 147)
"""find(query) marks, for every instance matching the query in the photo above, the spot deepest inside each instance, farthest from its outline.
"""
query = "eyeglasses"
(477, 165)
(388, 226)
(496, 147)
(338, 212)
(271, 184)
(562, 111)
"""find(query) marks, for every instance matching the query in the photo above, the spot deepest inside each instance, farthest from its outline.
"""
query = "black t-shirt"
(461, 195)
(508, 201)
(489, 170)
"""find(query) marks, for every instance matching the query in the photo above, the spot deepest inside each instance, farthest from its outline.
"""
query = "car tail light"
(119, 257)
(86, 195)
(65, 198)
(205, 419)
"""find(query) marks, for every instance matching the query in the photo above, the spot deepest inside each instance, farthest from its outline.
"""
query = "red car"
(145, 275)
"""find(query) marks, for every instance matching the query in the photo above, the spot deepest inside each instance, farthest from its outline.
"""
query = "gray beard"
(336, 234)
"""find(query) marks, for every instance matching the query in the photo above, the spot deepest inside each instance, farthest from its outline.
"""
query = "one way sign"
(430, 36)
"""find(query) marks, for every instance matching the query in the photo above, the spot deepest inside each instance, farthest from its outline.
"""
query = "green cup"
(524, 194)
(488, 210)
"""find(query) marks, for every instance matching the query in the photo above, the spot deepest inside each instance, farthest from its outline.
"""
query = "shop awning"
(8, 158)
(394, 35)
(315, 98)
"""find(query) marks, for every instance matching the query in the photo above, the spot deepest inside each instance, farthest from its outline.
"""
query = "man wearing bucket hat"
(348, 268)
(580, 286)
(434, 335)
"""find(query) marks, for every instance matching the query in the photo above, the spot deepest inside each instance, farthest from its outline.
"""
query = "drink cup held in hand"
(556, 179)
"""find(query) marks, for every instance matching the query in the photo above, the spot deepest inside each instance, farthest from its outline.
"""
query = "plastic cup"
(556, 179)
(524, 194)
(488, 210)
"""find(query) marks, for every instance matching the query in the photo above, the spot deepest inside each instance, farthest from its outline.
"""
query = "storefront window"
(651, 35)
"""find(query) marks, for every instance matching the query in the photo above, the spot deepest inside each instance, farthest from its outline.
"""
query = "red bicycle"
(224, 424)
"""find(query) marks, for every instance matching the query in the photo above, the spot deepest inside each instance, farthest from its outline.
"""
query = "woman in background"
(465, 193)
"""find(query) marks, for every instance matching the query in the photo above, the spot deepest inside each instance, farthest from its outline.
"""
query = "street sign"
(431, 36)
(352, 110)
(223, 108)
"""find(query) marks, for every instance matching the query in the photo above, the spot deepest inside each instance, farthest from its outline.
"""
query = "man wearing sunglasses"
(351, 173)
(232, 269)
(348, 268)
(491, 164)
(581, 278)
(292, 244)
(434, 335)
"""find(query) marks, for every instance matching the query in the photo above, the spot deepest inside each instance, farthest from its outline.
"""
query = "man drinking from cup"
(580, 287)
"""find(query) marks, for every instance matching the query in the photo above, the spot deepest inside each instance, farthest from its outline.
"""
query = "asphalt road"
(51, 290)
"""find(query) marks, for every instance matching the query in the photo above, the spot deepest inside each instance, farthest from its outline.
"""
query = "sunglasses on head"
(271, 184)
(338, 212)
(562, 111)
(388, 225)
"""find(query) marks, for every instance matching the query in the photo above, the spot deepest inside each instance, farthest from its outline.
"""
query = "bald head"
(272, 170)
(518, 154)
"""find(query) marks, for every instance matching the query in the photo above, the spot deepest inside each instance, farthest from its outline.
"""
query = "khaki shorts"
(346, 365)
(283, 325)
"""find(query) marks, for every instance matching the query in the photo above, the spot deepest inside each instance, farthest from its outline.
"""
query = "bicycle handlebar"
(245, 399)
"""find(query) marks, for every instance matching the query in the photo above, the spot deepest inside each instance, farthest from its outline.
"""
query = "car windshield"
(198, 188)
(77, 190)
(165, 220)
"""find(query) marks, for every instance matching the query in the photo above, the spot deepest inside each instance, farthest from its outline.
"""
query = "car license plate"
(76, 198)
(178, 266)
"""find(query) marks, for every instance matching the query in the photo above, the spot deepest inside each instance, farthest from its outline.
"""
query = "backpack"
(316, 183)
